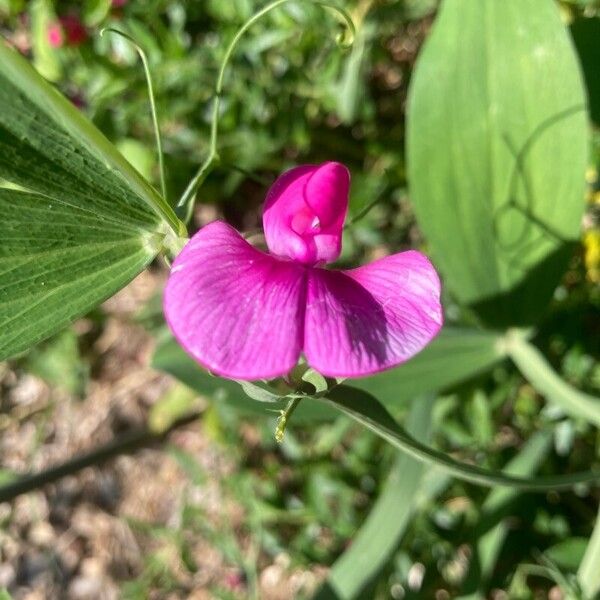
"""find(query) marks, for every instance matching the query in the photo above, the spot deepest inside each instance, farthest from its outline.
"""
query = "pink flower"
(119, 3)
(55, 35)
(68, 30)
(246, 314)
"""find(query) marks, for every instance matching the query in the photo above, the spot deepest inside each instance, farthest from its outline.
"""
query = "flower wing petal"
(238, 311)
(372, 318)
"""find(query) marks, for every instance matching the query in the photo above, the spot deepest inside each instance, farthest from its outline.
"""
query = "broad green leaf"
(95, 11)
(57, 262)
(48, 146)
(541, 376)
(497, 150)
(170, 358)
(366, 410)
(454, 356)
(84, 222)
(389, 518)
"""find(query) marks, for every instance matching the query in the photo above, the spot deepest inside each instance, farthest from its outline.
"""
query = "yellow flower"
(591, 244)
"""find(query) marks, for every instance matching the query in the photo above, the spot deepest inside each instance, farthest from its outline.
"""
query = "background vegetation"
(218, 509)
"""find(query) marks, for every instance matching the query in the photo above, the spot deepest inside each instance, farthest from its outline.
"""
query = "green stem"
(284, 418)
(252, 176)
(129, 442)
(363, 408)
(362, 213)
(159, 148)
(186, 202)
(539, 373)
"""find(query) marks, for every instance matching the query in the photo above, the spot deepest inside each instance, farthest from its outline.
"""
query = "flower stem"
(127, 443)
(186, 202)
(284, 418)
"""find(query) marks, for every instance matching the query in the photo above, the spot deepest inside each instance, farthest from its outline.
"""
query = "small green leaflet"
(78, 222)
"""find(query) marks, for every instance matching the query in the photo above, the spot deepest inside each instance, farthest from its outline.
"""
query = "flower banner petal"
(305, 211)
(372, 318)
(238, 311)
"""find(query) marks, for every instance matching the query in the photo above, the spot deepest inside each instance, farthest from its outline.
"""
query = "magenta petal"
(305, 211)
(326, 193)
(368, 319)
(238, 311)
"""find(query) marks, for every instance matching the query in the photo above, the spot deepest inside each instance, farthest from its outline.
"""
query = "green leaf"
(59, 362)
(58, 262)
(539, 373)
(316, 380)
(177, 403)
(45, 57)
(258, 393)
(366, 410)
(84, 222)
(138, 155)
(568, 554)
(389, 518)
(454, 356)
(48, 146)
(95, 11)
(589, 573)
(497, 151)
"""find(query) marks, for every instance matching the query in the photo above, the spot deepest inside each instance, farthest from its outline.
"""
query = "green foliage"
(455, 355)
(83, 224)
(366, 410)
(497, 147)
(67, 262)
(248, 399)
(45, 59)
(379, 536)
(496, 152)
(585, 33)
(533, 365)
(587, 574)
(59, 362)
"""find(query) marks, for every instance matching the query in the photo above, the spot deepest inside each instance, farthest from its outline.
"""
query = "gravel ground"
(83, 537)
